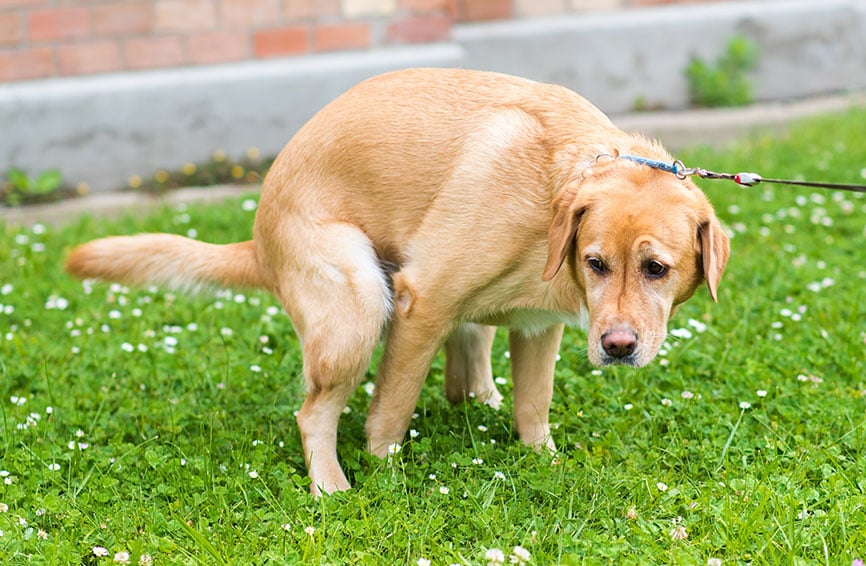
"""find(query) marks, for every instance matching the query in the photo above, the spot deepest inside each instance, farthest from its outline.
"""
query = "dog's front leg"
(533, 359)
(412, 342)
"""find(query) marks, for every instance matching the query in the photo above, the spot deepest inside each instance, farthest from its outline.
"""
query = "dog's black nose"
(619, 342)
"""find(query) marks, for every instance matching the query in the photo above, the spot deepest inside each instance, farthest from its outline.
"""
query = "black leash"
(744, 179)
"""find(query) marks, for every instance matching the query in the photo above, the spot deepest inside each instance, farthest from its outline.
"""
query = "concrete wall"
(102, 129)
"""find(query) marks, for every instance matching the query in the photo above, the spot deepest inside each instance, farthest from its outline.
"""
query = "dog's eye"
(597, 265)
(655, 269)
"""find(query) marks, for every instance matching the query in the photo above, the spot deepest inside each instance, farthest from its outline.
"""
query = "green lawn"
(135, 421)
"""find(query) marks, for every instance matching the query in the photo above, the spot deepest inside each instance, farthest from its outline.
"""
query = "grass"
(137, 422)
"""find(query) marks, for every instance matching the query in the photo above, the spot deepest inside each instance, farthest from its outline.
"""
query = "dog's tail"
(166, 260)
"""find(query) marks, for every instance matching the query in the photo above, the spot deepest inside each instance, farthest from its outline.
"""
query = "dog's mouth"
(630, 361)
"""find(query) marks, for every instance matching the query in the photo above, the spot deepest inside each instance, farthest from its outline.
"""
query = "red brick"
(184, 15)
(419, 29)
(156, 52)
(11, 30)
(283, 41)
(249, 13)
(62, 23)
(310, 9)
(218, 47)
(26, 64)
(121, 19)
(484, 9)
(87, 58)
(425, 6)
(341, 36)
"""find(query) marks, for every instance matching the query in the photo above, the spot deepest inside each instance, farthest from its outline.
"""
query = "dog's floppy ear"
(714, 247)
(562, 233)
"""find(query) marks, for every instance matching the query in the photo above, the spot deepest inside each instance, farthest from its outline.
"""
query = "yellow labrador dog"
(428, 206)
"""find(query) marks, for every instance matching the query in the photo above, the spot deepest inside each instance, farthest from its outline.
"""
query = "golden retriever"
(428, 206)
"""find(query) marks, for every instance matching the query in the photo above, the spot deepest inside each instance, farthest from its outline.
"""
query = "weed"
(726, 82)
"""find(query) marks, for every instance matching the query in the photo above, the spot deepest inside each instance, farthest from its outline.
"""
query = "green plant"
(725, 83)
(20, 187)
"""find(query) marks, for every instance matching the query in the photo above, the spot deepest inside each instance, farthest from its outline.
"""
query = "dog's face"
(638, 242)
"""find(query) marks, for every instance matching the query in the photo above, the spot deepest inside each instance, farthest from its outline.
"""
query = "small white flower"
(422, 562)
(628, 407)
(494, 557)
(121, 557)
(498, 476)
(443, 489)
(714, 562)
(519, 555)
(744, 405)
(254, 474)
(286, 527)
(4, 508)
(248, 205)
(127, 347)
(310, 530)
(413, 433)
(225, 331)
(54, 466)
(667, 402)
(500, 380)
(482, 428)
(394, 448)
(255, 368)
(662, 486)
(432, 476)
(687, 395)
(682, 333)
(761, 393)
(369, 388)
(145, 560)
(679, 533)
(41, 534)
(100, 551)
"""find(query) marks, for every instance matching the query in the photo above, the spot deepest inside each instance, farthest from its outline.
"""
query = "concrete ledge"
(806, 48)
(103, 129)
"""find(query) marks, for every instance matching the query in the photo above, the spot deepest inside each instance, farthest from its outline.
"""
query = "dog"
(426, 207)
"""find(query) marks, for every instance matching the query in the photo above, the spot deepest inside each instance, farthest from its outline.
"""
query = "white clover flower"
(744, 405)
(679, 533)
(100, 551)
(519, 555)
(121, 557)
(494, 557)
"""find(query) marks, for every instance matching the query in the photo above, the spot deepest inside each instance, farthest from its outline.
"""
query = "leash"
(745, 179)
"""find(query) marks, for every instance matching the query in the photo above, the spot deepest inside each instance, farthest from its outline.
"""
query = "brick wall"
(56, 38)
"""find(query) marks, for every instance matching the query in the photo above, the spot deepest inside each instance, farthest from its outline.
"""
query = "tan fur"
(487, 196)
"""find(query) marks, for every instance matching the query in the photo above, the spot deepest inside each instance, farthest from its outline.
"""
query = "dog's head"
(637, 242)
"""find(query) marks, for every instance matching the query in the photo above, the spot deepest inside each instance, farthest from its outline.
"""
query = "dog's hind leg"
(339, 301)
(468, 374)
